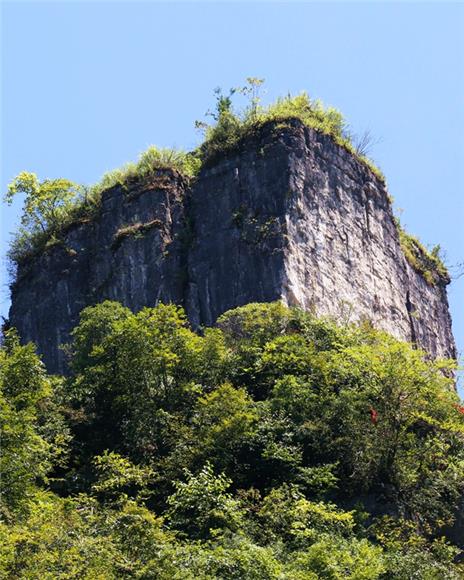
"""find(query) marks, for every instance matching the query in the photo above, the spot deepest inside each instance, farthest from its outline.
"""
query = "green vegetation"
(275, 446)
(230, 128)
(149, 163)
(134, 230)
(427, 263)
(48, 208)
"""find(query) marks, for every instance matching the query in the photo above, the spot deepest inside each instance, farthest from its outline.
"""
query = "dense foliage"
(274, 446)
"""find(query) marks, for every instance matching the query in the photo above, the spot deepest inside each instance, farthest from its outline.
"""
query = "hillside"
(277, 445)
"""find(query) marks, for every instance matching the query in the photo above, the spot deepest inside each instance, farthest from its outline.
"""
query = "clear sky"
(87, 85)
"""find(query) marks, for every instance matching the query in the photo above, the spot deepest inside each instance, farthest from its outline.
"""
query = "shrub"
(201, 505)
(335, 558)
(429, 264)
(137, 229)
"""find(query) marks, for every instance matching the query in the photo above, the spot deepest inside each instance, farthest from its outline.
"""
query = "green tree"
(223, 422)
(202, 504)
(136, 377)
(45, 202)
(118, 479)
(46, 206)
(28, 448)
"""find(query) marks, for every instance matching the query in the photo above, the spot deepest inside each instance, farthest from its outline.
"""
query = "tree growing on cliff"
(46, 205)
(45, 201)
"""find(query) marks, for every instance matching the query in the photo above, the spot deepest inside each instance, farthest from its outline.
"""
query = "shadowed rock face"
(289, 215)
(131, 252)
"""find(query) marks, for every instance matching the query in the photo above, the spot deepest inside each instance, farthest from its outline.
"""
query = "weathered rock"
(294, 216)
(288, 215)
(131, 252)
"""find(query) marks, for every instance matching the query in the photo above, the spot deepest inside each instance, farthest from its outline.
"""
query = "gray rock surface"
(132, 252)
(288, 215)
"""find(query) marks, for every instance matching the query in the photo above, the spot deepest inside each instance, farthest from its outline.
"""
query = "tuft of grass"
(149, 163)
(231, 128)
(427, 263)
(137, 229)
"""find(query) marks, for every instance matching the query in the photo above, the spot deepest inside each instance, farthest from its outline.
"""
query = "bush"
(201, 506)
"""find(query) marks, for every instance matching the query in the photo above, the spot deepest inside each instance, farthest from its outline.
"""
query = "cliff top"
(53, 206)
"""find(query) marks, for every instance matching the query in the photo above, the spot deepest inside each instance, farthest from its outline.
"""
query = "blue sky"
(88, 85)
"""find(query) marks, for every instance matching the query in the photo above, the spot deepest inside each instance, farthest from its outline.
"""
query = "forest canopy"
(276, 445)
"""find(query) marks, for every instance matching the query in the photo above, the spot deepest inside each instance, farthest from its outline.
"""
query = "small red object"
(374, 416)
(460, 408)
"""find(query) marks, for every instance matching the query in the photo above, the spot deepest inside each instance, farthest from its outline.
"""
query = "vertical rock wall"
(131, 252)
(238, 212)
(288, 215)
(344, 257)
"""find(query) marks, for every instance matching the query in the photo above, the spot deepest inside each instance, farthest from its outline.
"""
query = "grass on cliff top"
(149, 162)
(232, 127)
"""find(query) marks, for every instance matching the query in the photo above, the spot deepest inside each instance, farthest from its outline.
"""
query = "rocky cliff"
(287, 215)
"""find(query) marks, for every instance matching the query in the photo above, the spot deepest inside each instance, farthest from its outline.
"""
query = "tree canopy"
(276, 445)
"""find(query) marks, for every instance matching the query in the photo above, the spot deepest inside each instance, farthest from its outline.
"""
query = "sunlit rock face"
(288, 215)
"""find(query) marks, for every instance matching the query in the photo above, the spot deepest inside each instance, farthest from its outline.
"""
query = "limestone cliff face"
(289, 215)
(131, 252)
